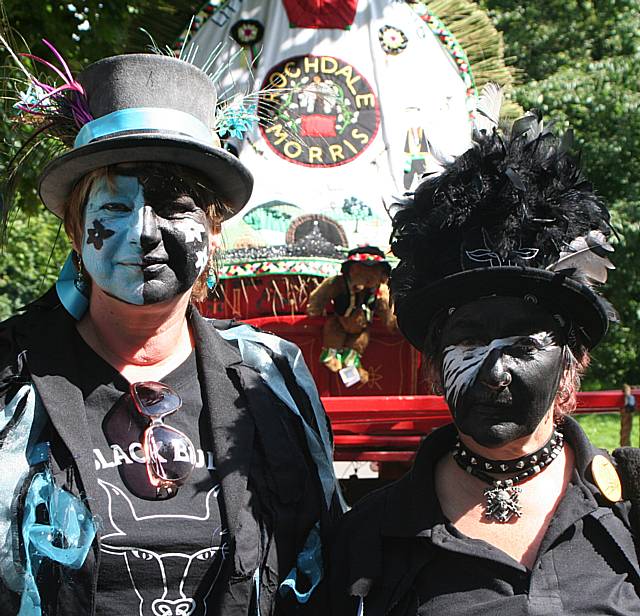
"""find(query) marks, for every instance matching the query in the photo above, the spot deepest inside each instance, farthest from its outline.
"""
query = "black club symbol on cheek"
(98, 234)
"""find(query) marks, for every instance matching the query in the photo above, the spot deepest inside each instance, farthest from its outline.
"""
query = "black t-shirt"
(160, 554)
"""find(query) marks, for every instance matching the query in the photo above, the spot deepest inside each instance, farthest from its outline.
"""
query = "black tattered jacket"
(271, 492)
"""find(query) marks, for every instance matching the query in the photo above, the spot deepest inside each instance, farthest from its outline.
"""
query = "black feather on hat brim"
(555, 291)
(229, 178)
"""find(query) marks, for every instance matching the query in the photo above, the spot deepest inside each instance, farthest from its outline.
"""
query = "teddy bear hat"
(512, 216)
(366, 255)
(126, 109)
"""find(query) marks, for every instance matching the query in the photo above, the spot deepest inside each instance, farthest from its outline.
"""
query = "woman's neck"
(141, 342)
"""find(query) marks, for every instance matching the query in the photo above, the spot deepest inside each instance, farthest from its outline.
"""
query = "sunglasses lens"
(170, 455)
(155, 399)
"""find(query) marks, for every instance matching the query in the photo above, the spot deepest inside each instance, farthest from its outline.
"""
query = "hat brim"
(553, 290)
(229, 178)
(347, 264)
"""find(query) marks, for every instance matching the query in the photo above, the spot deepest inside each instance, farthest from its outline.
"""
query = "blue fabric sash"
(16, 452)
(253, 348)
(69, 533)
(310, 564)
(73, 294)
(66, 538)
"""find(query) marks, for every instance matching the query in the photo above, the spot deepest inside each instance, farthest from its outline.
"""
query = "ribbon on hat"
(144, 119)
(365, 256)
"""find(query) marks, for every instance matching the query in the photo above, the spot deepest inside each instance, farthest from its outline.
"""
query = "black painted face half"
(502, 361)
(145, 238)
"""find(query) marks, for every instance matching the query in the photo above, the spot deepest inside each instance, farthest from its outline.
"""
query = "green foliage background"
(83, 31)
(577, 62)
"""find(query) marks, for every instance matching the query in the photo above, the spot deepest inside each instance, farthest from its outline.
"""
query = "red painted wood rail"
(390, 428)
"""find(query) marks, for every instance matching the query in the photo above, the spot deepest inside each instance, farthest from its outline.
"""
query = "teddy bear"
(358, 293)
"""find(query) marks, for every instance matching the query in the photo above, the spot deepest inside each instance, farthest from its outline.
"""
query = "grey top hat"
(148, 108)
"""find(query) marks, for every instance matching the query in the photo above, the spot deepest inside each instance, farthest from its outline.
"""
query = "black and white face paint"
(501, 367)
(461, 363)
(145, 238)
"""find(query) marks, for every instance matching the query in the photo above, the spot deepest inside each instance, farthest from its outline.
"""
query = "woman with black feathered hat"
(509, 510)
(154, 461)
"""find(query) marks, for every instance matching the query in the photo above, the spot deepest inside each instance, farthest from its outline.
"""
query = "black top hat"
(365, 255)
(511, 216)
(147, 108)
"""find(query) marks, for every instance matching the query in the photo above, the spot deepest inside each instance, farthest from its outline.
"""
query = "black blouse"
(398, 551)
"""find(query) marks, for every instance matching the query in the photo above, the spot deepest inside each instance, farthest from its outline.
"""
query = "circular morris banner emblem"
(318, 111)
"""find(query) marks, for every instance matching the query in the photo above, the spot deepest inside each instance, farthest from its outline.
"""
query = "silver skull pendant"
(502, 502)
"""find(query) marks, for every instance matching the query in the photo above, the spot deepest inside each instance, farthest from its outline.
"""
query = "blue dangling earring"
(72, 286)
(212, 276)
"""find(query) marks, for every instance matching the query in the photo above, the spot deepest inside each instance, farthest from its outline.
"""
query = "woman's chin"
(150, 293)
(133, 297)
(497, 435)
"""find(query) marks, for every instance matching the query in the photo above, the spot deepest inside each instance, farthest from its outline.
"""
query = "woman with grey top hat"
(510, 509)
(154, 461)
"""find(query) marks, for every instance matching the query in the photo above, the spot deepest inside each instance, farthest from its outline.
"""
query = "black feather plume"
(516, 197)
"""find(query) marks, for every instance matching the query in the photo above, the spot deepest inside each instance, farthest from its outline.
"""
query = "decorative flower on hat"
(247, 32)
(32, 98)
(392, 40)
(237, 119)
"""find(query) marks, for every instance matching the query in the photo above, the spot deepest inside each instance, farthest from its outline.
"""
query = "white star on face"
(192, 231)
(201, 260)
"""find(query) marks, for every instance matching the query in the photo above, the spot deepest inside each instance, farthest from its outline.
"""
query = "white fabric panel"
(418, 92)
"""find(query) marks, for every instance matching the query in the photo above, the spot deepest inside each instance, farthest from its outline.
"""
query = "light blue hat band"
(145, 119)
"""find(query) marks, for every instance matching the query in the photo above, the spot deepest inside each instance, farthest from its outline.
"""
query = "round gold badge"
(606, 478)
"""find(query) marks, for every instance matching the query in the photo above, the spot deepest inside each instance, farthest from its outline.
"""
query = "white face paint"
(202, 257)
(111, 253)
(461, 363)
(192, 230)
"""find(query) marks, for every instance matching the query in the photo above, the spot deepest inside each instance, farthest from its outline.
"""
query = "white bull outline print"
(138, 561)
